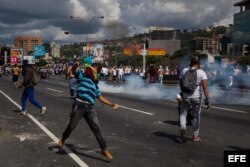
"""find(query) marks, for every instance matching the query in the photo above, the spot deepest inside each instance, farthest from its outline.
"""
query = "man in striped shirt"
(87, 92)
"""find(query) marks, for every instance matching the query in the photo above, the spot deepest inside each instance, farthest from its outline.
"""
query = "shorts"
(15, 78)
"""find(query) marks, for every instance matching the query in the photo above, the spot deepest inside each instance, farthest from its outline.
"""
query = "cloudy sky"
(50, 18)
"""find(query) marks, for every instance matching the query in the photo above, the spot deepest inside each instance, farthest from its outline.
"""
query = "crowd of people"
(83, 80)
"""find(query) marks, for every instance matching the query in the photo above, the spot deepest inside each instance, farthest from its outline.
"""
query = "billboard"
(38, 51)
(16, 56)
(30, 59)
(156, 52)
(88, 48)
(98, 52)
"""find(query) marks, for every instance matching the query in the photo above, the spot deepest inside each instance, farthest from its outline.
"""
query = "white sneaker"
(23, 113)
(43, 110)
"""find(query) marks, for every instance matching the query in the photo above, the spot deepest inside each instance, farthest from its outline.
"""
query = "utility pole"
(144, 53)
(5, 57)
(87, 29)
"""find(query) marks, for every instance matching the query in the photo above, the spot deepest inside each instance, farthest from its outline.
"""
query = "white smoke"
(135, 86)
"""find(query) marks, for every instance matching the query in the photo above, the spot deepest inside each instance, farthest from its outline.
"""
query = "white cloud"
(170, 7)
(49, 18)
(78, 9)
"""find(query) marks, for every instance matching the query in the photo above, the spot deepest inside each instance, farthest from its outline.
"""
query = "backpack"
(188, 82)
(34, 78)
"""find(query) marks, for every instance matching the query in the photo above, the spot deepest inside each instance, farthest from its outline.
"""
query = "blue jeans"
(195, 104)
(29, 93)
(72, 86)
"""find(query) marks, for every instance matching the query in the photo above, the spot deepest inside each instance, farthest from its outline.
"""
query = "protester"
(160, 74)
(72, 79)
(87, 92)
(191, 81)
(153, 73)
(28, 92)
(15, 74)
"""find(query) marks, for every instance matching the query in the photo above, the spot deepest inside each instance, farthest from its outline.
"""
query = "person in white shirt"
(104, 73)
(193, 99)
(120, 74)
(114, 72)
(167, 71)
(160, 74)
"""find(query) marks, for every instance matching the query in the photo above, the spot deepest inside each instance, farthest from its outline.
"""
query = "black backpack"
(188, 81)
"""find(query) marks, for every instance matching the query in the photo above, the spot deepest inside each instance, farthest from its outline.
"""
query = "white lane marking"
(228, 109)
(140, 111)
(55, 90)
(63, 83)
(51, 135)
(221, 108)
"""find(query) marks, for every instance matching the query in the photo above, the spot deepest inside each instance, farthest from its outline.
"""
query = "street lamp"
(91, 20)
(87, 28)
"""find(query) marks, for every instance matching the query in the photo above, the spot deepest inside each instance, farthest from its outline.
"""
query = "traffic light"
(246, 50)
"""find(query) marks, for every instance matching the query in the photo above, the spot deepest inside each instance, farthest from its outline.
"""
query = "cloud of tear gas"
(228, 84)
(135, 86)
(226, 80)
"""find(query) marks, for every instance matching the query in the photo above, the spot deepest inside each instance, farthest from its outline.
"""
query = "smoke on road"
(135, 86)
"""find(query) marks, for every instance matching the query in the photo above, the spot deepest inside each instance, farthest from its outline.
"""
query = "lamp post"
(91, 20)
(87, 28)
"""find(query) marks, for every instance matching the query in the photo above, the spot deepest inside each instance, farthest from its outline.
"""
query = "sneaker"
(107, 154)
(61, 142)
(43, 110)
(183, 135)
(196, 138)
(23, 113)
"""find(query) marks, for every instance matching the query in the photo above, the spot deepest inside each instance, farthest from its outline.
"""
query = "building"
(169, 47)
(241, 28)
(27, 43)
(203, 44)
(55, 50)
(164, 33)
(163, 41)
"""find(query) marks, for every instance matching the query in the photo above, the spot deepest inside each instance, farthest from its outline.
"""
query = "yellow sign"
(156, 52)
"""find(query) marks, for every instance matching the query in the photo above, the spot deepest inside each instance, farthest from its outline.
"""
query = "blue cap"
(88, 60)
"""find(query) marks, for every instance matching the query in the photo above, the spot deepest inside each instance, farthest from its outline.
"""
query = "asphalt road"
(143, 132)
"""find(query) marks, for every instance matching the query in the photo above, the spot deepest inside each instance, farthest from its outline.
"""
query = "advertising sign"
(38, 51)
(156, 52)
(30, 59)
(87, 50)
(98, 52)
(16, 56)
(13, 60)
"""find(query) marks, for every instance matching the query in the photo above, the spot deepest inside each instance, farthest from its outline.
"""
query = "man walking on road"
(87, 92)
(72, 79)
(192, 80)
(28, 92)
(15, 73)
